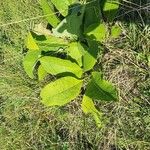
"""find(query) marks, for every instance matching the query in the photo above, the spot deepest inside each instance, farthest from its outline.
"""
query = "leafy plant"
(69, 51)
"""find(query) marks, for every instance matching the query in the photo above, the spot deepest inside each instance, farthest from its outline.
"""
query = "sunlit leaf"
(89, 108)
(61, 91)
(99, 31)
(62, 6)
(49, 42)
(110, 9)
(75, 52)
(90, 54)
(31, 43)
(101, 89)
(49, 12)
(41, 73)
(115, 31)
(54, 66)
(30, 61)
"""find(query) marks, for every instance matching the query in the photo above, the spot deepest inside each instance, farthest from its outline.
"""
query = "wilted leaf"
(101, 89)
(54, 66)
(61, 91)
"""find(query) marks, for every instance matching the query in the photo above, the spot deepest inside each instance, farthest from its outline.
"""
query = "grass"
(25, 124)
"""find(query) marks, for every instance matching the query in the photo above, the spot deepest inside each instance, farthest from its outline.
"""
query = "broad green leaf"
(31, 43)
(92, 13)
(61, 91)
(89, 108)
(49, 42)
(89, 54)
(30, 61)
(101, 89)
(99, 31)
(54, 66)
(49, 12)
(70, 27)
(52, 43)
(62, 6)
(74, 51)
(110, 9)
(41, 73)
(115, 31)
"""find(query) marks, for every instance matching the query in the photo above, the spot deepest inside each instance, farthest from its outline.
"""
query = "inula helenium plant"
(69, 50)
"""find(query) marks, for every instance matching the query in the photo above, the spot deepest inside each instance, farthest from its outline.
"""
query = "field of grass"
(25, 124)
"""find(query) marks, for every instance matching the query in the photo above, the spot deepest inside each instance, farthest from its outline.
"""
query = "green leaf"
(89, 54)
(31, 43)
(89, 108)
(110, 9)
(115, 31)
(41, 73)
(99, 31)
(70, 27)
(49, 42)
(74, 51)
(54, 66)
(101, 89)
(52, 43)
(61, 91)
(49, 12)
(62, 6)
(30, 61)
(92, 13)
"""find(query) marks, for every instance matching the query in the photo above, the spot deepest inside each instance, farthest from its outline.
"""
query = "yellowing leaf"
(61, 91)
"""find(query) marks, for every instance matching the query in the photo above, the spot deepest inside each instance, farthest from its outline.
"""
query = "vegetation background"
(25, 124)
